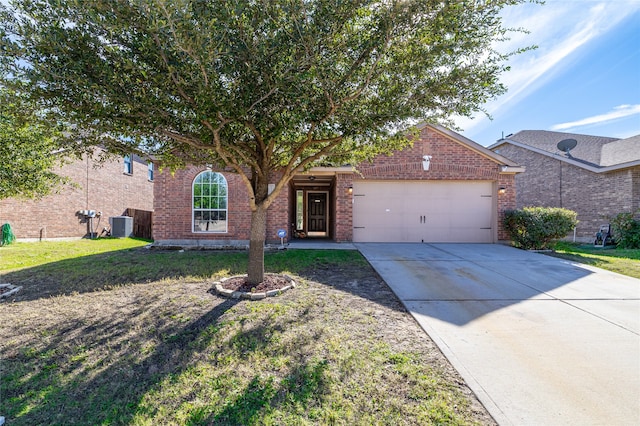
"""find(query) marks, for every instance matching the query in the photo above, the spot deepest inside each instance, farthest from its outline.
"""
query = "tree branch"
(181, 47)
(172, 74)
(230, 162)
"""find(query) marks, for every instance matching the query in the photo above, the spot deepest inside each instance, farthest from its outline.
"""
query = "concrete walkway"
(541, 341)
(319, 244)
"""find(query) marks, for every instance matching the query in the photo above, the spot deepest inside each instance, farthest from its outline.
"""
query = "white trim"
(512, 170)
(226, 209)
(328, 170)
(301, 228)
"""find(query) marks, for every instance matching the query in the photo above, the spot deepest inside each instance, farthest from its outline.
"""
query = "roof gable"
(621, 151)
(588, 149)
(595, 153)
(486, 152)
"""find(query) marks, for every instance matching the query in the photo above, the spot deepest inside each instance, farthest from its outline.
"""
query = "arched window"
(210, 202)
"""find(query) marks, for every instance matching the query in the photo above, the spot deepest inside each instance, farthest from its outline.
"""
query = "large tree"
(29, 150)
(264, 88)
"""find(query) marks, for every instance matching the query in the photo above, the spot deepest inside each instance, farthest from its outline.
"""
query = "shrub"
(536, 227)
(626, 231)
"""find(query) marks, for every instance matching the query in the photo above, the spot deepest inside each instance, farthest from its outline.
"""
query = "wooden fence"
(142, 220)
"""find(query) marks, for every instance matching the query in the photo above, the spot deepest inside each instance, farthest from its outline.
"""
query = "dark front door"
(316, 212)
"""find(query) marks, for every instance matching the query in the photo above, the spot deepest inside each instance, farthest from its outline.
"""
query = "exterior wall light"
(426, 162)
(350, 190)
(502, 190)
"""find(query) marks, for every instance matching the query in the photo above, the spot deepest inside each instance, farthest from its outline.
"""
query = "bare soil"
(271, 282)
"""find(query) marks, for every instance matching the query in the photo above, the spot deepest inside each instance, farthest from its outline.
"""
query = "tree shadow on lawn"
(58, 387)
(117, 268)
(105, 357)
(347, 270)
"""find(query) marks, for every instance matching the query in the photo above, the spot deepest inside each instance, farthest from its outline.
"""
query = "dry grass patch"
(338, 349)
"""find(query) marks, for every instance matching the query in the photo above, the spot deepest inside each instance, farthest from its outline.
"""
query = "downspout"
(86, 187)
(560, 184)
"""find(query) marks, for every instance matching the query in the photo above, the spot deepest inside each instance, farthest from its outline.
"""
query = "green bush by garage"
(535, 228)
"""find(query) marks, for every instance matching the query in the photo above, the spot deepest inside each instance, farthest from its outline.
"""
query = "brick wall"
(173, 211)
(343, 223)
(596, 197)
(100, 187)
(451, 160)
(278, 216)
(635, 199)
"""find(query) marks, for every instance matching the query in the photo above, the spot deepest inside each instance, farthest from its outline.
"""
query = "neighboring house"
(109, 188)
(445, 188)
(598, 179)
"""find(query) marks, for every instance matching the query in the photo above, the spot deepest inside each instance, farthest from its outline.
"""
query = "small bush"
(626, 231)
(536, 227)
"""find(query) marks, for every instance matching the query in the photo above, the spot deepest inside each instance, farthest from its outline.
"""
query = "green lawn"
(625, 262)
(107, 332)
(23, 255)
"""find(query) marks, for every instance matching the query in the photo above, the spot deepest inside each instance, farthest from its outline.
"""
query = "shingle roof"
(598, 154)
(621, 151)
(589, 148)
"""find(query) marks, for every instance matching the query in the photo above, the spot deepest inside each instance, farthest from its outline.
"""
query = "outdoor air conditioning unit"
(121, 226)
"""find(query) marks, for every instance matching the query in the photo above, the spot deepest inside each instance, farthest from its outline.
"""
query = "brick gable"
(451, 160)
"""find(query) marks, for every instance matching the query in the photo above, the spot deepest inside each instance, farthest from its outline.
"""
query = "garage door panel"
(423, 211)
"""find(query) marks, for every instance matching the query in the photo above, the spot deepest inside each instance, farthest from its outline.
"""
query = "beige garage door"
(431, 211)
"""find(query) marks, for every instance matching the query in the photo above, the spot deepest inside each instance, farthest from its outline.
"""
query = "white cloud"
(559, 28)
(617, 113)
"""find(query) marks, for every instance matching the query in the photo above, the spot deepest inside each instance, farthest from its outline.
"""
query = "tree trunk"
(255, 273)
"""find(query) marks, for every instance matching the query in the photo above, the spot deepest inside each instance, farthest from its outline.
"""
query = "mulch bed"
(271, 282)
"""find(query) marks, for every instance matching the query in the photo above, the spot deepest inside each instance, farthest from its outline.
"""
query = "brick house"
(598, 178)
(110, 188)
(444, 188)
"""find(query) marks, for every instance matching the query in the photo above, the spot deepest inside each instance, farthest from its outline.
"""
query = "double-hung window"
(128, 164)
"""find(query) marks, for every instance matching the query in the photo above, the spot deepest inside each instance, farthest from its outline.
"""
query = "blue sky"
(584, 77)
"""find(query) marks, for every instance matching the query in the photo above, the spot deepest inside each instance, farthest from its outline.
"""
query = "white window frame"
(128, 164)
(209, 209)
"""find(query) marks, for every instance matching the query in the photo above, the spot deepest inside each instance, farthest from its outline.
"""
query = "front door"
(317, 214)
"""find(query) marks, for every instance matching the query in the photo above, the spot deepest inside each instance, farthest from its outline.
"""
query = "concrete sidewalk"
(319, 244)
(541, 341)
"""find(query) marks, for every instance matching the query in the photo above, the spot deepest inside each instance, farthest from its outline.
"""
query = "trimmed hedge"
(535, 228)
(626, 231)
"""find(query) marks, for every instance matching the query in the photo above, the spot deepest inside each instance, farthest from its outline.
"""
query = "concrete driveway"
(540, 340)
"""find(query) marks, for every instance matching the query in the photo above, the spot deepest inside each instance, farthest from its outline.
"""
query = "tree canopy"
(254, 86)
(28, 151)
